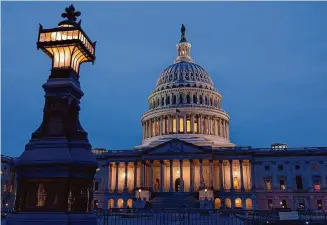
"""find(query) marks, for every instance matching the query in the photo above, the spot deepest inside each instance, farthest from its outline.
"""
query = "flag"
(178, 111)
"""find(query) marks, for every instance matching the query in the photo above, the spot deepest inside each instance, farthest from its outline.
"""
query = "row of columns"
(108, 170)
(198, 124)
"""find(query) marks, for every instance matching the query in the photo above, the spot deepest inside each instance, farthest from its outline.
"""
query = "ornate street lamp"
(67, 44)
(55, 172)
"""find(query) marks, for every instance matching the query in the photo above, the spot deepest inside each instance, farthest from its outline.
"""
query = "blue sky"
(268, 60)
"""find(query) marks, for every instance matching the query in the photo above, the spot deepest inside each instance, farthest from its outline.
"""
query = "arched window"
(210, 101)
(174, 99)
(168, 100)
(188, 124)
(217, 203)
(154, 104)
(181, 98)
(238, 203)
(194, 99)
(158, 103)
(205, 100)
(188, 99)
(248, 203)
(130, 203)
(201, 100)
(111, 203)
(162, 101)
(228, 203)
(120, 203)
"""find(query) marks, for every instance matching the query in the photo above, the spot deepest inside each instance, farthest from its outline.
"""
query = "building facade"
(8, 182)
(186, 158)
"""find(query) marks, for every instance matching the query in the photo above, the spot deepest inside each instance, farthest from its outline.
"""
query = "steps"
(175, 200)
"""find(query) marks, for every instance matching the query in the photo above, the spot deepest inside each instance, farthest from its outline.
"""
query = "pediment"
(175, 147)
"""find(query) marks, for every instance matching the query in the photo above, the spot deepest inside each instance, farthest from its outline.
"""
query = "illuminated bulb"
(140, 190)
(205, 190)
(281, 203)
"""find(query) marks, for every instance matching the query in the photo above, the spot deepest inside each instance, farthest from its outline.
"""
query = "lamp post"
(205, 194)
(140, 193)
(55, 172)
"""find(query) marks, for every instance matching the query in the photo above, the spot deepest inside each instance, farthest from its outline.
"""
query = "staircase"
(175, 200)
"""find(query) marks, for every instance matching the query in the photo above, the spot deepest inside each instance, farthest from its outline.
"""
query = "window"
(299, 184)
(96, 186)
(5, 188)
(188, 99)
(10, 188)
(166, 125)
(282, 184)
(297, 167)
(280, 167)
(174, 125)
(283, 203)
(315, 167)
(268, 184)
(319, 203)
(188, 125)
(194, 99)
(157, 128)
(301, 204)
(270, 204)
(174, 99)
(181, 125)
(267, 168)
(195, 125)
(316, 184)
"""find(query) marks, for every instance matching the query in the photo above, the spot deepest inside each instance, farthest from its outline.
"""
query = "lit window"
(195, 125)
(5, 188)
(268, 184)
(0, 171)
(316, 185)
(153, 128)
(181, 125)
(157, 128)
(282, 184)
(10, 188)
(319, 203)
(188, 125)
(174, 125)
(283, 203)
(270, 204)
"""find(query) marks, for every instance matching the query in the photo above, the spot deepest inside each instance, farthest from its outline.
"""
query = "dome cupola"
(185, 105)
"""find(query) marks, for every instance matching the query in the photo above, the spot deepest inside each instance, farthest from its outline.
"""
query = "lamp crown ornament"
(70, 13)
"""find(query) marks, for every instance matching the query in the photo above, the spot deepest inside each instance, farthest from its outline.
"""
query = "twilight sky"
(268, 60)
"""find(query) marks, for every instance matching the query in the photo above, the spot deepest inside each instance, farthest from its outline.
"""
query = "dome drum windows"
(185, 124)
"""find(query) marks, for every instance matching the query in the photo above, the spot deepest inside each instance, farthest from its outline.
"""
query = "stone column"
(252, 176)
(201, 174)
(142, 174)
(185, 126)
(106, 177)
(181, 189)
(126, 176)
(242, 177)
(231, 174)
(171, 176)
(135, 175)
(221, 127)
(160, 125)
(117, 168)
(227, 130)
(209, 125)
(191, 176)
(200, 124)
(177, 123)
(221, 182)
(151, 174)
(169, 124)
(211, 174)
(192, 124)
(162, 183)
(110, 176)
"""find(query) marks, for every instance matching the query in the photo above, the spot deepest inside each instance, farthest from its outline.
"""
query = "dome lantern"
(183, 48)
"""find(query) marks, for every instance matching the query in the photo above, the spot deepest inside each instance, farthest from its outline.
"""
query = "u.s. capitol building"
(186, 158)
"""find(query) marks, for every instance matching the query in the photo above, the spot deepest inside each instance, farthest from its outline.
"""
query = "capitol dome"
(185, 105)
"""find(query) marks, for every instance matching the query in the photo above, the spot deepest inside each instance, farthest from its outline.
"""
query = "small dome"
(184, 73)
